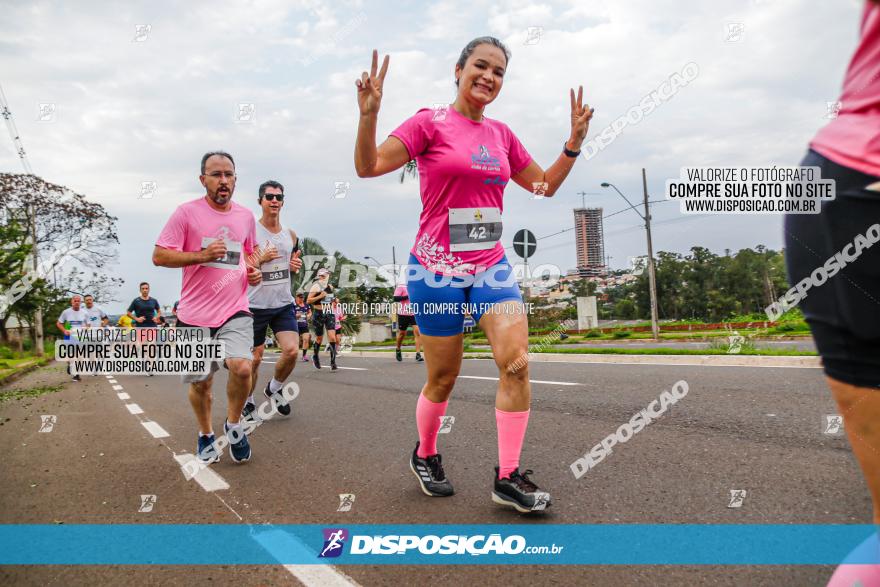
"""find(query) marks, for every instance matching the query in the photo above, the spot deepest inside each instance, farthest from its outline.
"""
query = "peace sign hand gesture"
(370, 86)
(580, 120)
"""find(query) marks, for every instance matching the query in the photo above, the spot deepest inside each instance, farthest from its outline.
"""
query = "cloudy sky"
(141, 90)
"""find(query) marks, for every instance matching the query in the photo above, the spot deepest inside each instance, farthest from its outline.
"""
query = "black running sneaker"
(429, 472)
(316, 361)
(398, 354)
(249, 408)
(419, 358)
(520, 492)
(333, 366)
(278, 399)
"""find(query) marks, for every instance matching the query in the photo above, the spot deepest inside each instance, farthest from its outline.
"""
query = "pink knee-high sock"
(511, 432)
(428, 421)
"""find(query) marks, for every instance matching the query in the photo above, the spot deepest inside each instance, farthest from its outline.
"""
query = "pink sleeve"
(250, 241)
(517, 155)
(413, 133)
(173, 236)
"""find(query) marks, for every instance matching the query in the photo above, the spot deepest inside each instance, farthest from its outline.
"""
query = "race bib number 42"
(474, 229)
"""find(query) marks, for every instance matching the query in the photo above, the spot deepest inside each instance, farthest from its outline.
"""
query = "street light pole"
(652, 277)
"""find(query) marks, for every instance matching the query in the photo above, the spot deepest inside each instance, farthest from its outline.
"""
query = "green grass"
(33, 392)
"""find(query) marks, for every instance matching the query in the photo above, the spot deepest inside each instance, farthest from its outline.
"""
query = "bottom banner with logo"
(620, 544)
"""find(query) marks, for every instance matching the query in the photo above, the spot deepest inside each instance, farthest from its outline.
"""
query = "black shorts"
(281, 319)
(844, 312)
(303, 327)
(405, 322)
(322, 320)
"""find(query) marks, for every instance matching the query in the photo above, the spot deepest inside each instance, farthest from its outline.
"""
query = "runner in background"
(405, 320)
(303, 314)
(71, 318)
(321, 295)
(145, 313)
(97, 317)
(340, 317)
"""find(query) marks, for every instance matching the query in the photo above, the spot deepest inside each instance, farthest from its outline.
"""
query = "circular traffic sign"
(524, 243)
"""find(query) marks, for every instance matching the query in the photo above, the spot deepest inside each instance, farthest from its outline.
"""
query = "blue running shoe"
(239, 447)
(205, 450)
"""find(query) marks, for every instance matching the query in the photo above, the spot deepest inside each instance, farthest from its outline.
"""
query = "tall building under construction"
(590, 242)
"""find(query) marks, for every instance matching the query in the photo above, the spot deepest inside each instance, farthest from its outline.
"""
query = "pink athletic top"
(405, 308)
(853, 138)
(463, 168)
(212, 292)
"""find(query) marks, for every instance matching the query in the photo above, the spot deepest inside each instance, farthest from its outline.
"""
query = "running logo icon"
(542, 498)
(334, 541)
(346, 500)
(735, 32)
(833, 424)
(533, 35)
(833, 109)
(446, 423)
(141, 32)
(735, 343)
(340, 189)
(440, 111)
(46, 112)
(47, 423)
(246, 113)
(148, 189)
(147, 503)
(737, 497)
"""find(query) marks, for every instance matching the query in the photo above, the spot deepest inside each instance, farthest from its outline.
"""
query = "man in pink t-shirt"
(213, 240)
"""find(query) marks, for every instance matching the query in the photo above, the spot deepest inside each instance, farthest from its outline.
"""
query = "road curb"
(689, 360)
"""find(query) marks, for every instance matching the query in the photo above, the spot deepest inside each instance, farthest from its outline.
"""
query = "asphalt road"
(757, 429)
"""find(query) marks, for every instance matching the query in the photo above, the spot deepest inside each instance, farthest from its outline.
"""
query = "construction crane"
(32, 221)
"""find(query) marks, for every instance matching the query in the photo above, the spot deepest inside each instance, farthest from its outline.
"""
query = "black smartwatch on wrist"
(568, 152)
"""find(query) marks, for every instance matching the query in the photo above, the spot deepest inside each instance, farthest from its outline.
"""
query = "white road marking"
(208, 479)
(113, 381)
(530, 380)
(282, 545)
(154, 429)
(108, 376)
(320, 576)
(123, 395)
(353, 368)
(134, 408)
(117, 388)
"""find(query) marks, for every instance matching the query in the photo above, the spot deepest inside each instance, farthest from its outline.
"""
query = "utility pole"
(30, 213)
(652, 278)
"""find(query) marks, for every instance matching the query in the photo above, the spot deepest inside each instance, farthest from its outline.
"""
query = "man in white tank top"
(271, 302)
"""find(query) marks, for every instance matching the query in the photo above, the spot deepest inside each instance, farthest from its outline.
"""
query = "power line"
(13, 133)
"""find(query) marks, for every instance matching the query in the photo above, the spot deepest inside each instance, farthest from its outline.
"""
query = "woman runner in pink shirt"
(464, 160)
(844, 312)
